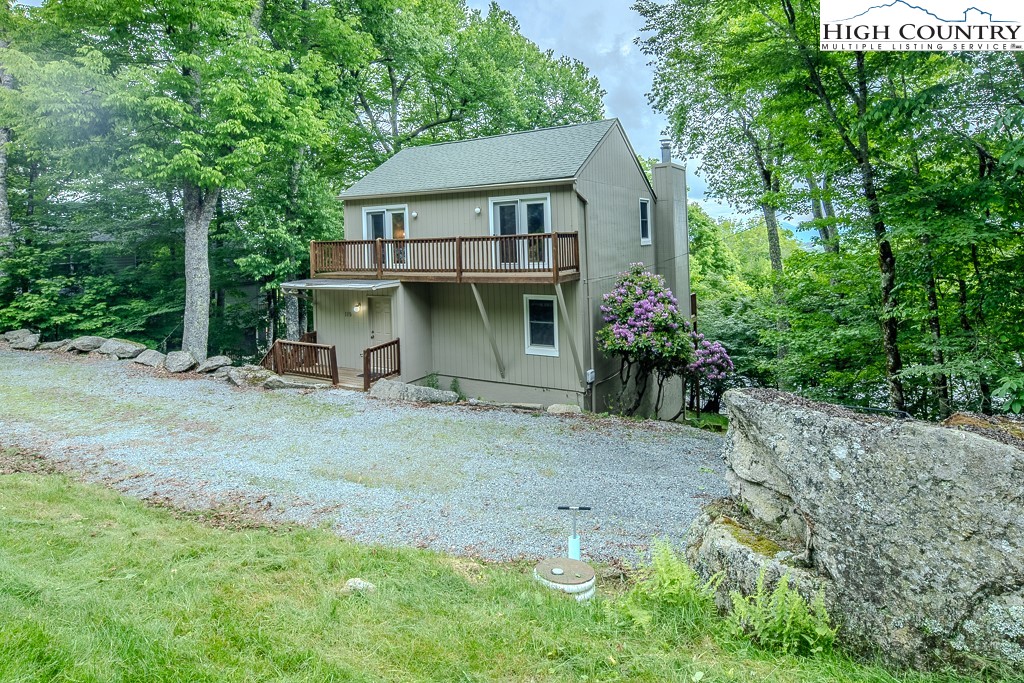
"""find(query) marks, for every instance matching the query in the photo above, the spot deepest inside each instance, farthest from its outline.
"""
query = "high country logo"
(904, 25)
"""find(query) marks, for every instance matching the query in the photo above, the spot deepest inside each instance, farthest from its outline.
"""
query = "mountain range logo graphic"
(972, 14)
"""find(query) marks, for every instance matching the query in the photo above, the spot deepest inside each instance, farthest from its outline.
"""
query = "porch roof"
(322, 283)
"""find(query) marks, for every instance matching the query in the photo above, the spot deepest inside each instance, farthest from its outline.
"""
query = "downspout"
(586, 282)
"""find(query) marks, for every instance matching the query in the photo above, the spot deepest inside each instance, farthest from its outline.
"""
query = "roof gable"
(529, 156)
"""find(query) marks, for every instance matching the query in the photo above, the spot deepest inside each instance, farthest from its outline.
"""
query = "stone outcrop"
(27, 342)
(121, 348)
(249, 375)
(278, 382)
(914, 532)
(150, 357)
(564, 409)
(213, 364)
(400, 391)
(86, 344)
(179, 361)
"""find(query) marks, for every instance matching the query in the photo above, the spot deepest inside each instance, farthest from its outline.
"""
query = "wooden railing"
(555, 253)
(305, 359)
(383, 360)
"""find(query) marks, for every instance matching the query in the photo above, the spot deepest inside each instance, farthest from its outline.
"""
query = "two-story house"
(486, 260)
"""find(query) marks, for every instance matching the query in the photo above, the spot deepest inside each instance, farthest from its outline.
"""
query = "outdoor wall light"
(477, 211)
(415, 215)
(355, 309)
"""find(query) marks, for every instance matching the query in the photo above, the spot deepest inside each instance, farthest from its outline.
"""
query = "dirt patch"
(21, 461)
(234, 511)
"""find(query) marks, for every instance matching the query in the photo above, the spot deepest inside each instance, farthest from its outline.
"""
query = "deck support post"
(571, 328)
(487, 327)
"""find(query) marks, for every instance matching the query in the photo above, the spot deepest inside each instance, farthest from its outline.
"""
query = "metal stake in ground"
(574, 540)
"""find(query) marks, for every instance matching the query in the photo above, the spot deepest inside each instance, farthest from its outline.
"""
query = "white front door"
(380, 320)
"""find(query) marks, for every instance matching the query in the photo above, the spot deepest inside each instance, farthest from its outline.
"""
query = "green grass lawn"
(98, 587)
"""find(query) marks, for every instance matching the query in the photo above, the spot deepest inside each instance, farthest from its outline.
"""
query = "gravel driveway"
(461, 479)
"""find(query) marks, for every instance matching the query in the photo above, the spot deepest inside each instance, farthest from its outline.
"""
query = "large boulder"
(54, 345)
(400, 391)
(179, 361)
(15, 335)
(249, 375)
(214, 363)
(121, 348)
(914, 532)
(27, 343)
(150, 357)
(86, 344)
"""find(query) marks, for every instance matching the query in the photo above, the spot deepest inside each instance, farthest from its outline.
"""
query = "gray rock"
(249, 375)
(150, 357)
(400, 391)
(121, 348)
(278, 382)
(214, 363)
(914, 531)
(86, 344)
(14, 335)
(179, 361)
(54, 345)
(358, 586)
(564, 409)
(221, 373)
(26, 343)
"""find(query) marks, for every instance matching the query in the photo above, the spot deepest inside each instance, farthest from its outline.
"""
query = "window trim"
(388, 210)
(546, 196)
(645, 241)
(539, 350)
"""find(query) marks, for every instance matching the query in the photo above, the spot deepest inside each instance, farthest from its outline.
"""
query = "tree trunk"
(198, 206)
(830, 214)
(6, 227)
(941, 380)
(291, 317)
(821, 220)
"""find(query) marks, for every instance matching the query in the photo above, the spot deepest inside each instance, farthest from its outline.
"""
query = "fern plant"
(782, 619)
(669, 591)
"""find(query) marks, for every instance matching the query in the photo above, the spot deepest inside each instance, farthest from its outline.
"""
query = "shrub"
(431, 381)
(669, 591)
(782, 620)
(457, 388)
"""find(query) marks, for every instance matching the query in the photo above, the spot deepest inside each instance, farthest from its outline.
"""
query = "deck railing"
(555, 253)
(383, 360)
(318, 361)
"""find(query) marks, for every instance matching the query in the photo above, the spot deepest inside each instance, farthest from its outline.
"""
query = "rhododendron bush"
(652, 338)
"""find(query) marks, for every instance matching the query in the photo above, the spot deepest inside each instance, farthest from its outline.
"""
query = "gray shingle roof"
(535, 155)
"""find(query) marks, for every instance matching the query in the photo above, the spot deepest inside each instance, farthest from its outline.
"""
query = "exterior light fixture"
(415, 215)
(355, 309)
(477, 211)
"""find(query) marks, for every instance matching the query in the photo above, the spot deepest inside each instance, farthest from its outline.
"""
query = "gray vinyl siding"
(413, 327)
(452, 215)
(461, 347)
(613, 184)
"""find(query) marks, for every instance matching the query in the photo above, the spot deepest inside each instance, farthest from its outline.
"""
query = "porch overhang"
(297, 286)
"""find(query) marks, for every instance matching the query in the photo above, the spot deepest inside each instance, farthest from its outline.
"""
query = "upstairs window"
(645, 221)
(541, 325)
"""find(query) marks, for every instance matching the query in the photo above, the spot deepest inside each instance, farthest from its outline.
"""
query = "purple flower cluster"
(711, 363)
(642, 316)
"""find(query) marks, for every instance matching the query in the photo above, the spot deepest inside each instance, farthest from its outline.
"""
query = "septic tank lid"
(570, 576)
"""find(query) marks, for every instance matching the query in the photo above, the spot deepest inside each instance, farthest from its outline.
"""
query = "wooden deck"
(313, 363)
(534, 258)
